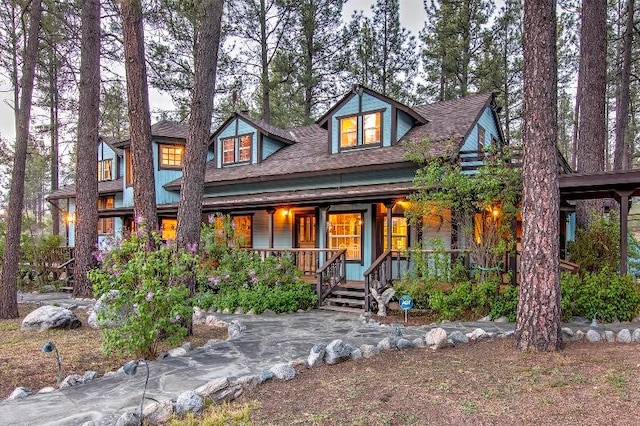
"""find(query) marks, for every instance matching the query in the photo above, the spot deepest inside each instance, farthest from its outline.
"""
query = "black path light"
(130, 369)
(51, 347)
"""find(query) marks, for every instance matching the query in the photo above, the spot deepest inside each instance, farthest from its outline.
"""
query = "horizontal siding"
(404, 124)
(369, 103)
(487, 121)
(270, 146)
(234, 128)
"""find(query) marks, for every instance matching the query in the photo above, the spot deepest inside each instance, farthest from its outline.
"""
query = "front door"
(306, 237)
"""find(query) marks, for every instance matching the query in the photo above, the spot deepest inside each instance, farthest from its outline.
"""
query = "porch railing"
(307, 260)
(332, 273)
(474, 159)
(395, 264)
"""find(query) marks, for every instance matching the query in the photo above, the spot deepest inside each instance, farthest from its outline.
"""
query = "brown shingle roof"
(104, 187)
(285, 135)
(163, 129)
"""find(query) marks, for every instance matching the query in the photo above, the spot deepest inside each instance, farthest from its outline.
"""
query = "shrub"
(287, 297)
(151, 286)
(605, 294)
(464, 300)
(597, 247)
(419, 290)
(506, 303)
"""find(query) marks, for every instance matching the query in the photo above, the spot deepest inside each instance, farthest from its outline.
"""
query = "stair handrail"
(334, 269)
(375, 273)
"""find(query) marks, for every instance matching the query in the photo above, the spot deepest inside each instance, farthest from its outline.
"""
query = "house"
(333, 189)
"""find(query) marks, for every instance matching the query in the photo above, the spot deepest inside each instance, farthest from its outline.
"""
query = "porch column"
(271, 211)
(623, 199)
(389, 206)
(323, 232)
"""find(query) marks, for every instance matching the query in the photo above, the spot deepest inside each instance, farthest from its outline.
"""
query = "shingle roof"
(285, 135)
(161, 129)
(104, 187)
(449, 123)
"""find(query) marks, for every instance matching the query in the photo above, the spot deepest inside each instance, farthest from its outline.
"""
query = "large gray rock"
(418, 342)
(458, 337)
(265, 375)
(593, 336)
(283, 371)
(567, 333)
(624, 336)
(89, 375)
(609, 336)
(403, 343)
(579, 336)
(636, 335)
(316, 355)
(369, 351)
(46, 317)
(212, 387)
(235, 329)
(337, 351)
(385, 344)
(159, 413)
(189, 402)
(436, 338)
(177, 352)
(478, 334)
(249, 381)
(19, 393)
(129, 418)
(101, 306)
(47, 389)
(72, 380)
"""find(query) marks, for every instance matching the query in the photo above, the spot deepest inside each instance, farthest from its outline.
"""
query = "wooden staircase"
(345, 297)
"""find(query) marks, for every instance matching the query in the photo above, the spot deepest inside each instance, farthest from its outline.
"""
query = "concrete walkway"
(267, 340)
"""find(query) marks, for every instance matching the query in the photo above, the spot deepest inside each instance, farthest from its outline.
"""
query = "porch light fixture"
(285, 212)
(130, 369)
(51, 347)
(71, 218)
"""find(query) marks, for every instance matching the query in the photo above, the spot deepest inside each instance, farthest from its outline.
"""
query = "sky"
(412, 17)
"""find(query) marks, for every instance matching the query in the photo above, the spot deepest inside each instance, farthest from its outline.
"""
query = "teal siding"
(405, 123)
(369, 103)
(162, 177)
(229, 131)
(487, 121)
(270, 146)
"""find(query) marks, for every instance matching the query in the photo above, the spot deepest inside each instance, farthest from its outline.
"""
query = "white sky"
(412, 17)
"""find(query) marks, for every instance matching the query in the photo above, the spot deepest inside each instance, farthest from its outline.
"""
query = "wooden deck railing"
(306, 259)
(332, 273)
(472, 160)
(395, 264)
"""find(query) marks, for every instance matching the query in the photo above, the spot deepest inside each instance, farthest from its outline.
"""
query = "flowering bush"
(151, 287)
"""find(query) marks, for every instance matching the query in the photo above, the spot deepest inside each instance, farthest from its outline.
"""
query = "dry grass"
(23, 364)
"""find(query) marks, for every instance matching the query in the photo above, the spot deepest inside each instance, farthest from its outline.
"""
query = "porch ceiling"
(611, 184)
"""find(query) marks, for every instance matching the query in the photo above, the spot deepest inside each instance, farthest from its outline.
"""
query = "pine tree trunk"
(538, 318)
(206, 62)
(592, 118)
(264, 61)
(144, 193)
(621, 157)
(86, 232)
(11, 256)
(54, 133)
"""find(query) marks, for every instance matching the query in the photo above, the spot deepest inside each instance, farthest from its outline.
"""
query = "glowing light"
(71, 218)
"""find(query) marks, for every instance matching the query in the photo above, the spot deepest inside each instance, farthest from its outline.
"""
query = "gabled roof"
(283, 135)
(358, 89)
(105, 187)
(164, 129)
(449, 123)
(110, 142)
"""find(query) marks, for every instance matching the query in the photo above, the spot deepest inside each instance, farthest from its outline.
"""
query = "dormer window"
(361, 130)
(104, 170)
(171, 156)
(236, 150)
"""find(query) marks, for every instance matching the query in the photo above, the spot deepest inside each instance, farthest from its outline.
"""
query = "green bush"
(419, 290)
(596, 248)
(287, 297)
(506, 303)
(152, 288)
(464, 300)
(605, 294)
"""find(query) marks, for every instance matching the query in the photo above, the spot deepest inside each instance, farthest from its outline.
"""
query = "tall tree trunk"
(264, 61)
(621, 155)
(54, 134)
(144, 193)
(538, 318)
(308, 26)
(11, 257)
(86, 232)
(206, 62)
(592, 118)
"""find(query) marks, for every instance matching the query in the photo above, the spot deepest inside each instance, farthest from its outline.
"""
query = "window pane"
(348, 132)
(129, 167)
(242, 230)
(171, 156)
(399, 233)
(169, 227)
(245, 148)
(371, 126)
(345, 232)
(104, 170)
(480, 137)
(228, 151)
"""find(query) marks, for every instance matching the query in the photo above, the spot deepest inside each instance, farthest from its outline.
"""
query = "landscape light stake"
(130, 369)
(51, 347)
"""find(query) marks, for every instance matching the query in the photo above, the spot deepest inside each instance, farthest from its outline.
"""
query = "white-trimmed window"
(104, 169)
(236, 149)
(371, 128)
(348, 132)
(399, 233)
(105, 224)
(361, 130)
(345, 232)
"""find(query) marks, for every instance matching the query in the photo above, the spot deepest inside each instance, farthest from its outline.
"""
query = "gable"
(485, 124)
(238, 130)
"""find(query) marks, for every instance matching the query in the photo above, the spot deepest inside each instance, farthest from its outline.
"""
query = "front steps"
(346, 297)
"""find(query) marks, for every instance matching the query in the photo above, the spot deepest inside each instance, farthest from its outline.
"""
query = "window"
(128, 177)
(104, 170)
(105, 224)
(345, 232)
(171, 156)
(168, 227)
(240, 233)
(370, 133)
(242, 228)
(480, 138)
(236, 150)
(399, 233)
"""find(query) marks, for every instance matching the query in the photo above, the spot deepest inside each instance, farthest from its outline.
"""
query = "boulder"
(636, 335)
(189, 402)
(579, 336)
(212, 387)
(458, 337)
(403, 343)
(47, 317)
(235, 330)
(567, 333)
(212, 321)
(336, 352)
(478, 334)
(130, 418)
(177, 352)
(501, 319)
(265, 375)
(316, 355)
(19, 393)
(593, 336)
(609, 336)
(101, 306)
(418, 342)
(369, 350)
(47, 389)
(436, 338)
(248, 382)
(385, 344)
(228, 394)
(283, 371)
(72, 380)
(624, 336)
(89, 375)
(159, 413)
(356, 354)
(485, 319)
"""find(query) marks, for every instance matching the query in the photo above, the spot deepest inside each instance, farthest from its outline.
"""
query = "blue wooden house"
(332, 193)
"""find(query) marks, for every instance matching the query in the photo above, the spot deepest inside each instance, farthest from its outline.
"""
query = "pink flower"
(149, 296)
(212, 218)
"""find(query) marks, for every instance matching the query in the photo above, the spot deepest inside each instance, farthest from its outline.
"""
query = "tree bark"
(592, 117)
(538, 317)
(206, 62)
(264, 61)
(86, 232)
(621, 155)
(11, 256)
(144, 192)
(54, 133)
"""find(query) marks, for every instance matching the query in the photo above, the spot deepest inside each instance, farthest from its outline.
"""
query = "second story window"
(128, 175)
(236, 150)
(171, 156)
(105, 224)
(104, 170)
(361, 130)
(480, 138)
